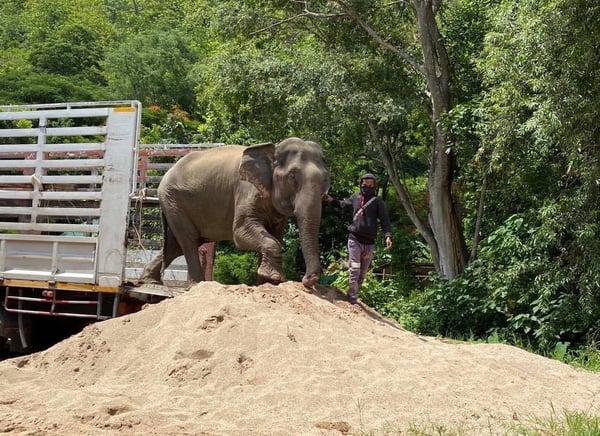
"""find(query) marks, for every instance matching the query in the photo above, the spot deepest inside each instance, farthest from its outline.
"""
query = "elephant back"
(200, 170)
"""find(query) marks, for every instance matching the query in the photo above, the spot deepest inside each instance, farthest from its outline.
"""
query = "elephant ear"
(257, 167)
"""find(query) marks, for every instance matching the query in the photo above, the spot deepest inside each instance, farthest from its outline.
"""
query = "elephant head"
(293, 174)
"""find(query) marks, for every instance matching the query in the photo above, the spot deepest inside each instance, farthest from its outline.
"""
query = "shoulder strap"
(359, 211)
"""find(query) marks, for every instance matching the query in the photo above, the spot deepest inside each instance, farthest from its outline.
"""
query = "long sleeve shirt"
(364, 225)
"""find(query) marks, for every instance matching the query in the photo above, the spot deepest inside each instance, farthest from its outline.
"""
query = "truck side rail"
(66, 173)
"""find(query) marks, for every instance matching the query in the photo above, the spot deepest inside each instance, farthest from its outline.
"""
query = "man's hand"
(327, 198)
(388, 242)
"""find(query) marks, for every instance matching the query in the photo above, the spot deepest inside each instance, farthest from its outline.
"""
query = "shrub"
(236, 268)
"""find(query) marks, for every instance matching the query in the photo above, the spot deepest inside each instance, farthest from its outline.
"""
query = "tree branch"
(402, 2)
(307, 12)
(278, 23)
(392, 169)
(349, 12)
(379, 39)
(478, 221)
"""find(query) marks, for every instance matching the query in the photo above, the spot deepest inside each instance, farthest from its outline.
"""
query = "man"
(368, 209)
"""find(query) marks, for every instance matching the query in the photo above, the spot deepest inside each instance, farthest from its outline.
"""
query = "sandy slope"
(275, 360)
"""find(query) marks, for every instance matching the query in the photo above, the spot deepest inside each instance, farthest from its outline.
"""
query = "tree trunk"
(444, 218)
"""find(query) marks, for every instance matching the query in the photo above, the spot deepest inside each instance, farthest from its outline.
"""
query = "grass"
(587, 358)
(571, 424)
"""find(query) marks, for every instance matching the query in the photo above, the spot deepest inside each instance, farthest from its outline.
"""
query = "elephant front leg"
(258, 239)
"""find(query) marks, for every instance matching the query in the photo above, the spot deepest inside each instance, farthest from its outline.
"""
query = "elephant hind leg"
(195, 267)
(171, 250)
(154, 270)
(189, 241)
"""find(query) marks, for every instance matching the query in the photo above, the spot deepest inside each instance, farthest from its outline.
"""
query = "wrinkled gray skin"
(244, 194)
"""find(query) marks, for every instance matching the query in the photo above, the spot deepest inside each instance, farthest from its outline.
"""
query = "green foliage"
(152, 67)
(235, 268)
(138, 15)
(74, 50)
(454, 308)
(566, 423)
(249, 97)
(379, 293)
(174, 126)
(293, 260)
(587, 357)
(516, 289)
(12, 31)
(538, 110)
(16, 88)
(538, 138)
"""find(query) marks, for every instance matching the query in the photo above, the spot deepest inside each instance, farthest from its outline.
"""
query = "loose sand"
(278, 360)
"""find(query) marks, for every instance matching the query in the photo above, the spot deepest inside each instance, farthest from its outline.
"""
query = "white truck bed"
(66, 174)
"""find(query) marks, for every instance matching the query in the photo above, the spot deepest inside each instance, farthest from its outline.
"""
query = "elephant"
(245, 194)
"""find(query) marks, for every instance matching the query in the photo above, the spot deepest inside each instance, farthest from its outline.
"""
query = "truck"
(79, 218)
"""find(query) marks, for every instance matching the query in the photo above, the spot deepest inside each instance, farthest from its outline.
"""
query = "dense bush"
(235, 268)
(518, 290)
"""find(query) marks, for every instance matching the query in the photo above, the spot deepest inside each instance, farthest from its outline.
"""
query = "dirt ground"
(278, 360)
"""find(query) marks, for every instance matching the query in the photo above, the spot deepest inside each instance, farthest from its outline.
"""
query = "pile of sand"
(238, 360)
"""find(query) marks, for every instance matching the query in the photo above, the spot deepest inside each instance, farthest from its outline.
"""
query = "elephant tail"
(166, 232)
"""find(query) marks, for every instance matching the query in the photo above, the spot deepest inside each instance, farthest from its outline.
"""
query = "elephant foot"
(269, 274)
(190, 284)
(149, 281)
(310, 281)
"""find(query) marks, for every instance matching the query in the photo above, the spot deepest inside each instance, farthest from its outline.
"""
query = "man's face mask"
(367, 191)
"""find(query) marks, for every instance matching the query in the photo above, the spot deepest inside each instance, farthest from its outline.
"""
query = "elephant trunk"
(308, 217)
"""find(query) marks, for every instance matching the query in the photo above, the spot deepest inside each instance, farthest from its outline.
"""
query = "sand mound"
(233, 360)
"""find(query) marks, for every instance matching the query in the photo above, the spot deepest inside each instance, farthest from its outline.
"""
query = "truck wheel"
(11, 340)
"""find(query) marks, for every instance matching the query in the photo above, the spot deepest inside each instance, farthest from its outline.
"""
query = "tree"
(540, 70)
(154, 68)
(443, 230)
(74, 50)
(382, 88)
(34, 88)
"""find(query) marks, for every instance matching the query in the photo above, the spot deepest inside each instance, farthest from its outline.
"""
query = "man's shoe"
(352, 300)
